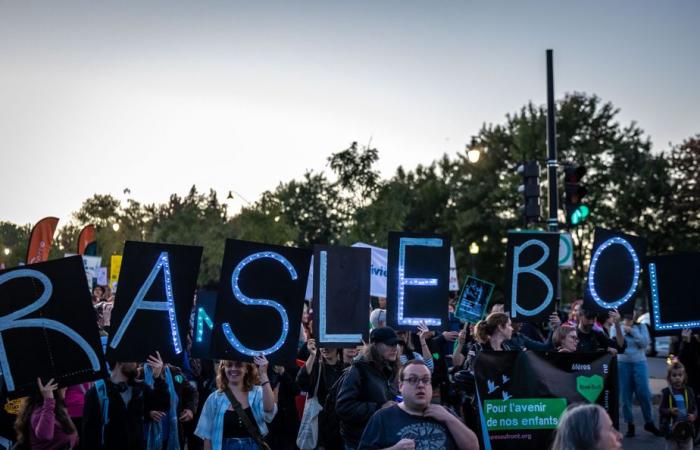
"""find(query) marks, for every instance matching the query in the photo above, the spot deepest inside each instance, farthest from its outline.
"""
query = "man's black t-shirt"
(389, 425)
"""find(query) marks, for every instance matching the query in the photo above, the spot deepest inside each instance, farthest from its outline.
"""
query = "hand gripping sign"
(531, 268)
(45, 316)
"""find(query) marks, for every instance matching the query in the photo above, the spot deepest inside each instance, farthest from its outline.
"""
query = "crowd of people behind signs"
(405, 390)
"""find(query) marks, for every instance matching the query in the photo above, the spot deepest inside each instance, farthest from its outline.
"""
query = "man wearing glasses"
(416, 423)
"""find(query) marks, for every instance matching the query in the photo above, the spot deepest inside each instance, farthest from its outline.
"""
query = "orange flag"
(87, 235)
(40, 240)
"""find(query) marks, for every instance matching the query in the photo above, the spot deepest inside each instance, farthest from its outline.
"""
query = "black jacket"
(126, 422)
(364, 390)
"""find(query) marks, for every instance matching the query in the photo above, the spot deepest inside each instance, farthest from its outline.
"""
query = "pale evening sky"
(157, 96)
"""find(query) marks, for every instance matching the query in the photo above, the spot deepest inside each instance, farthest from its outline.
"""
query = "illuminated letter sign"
(614, 271)
(158, 305)
(14, 320)
(413, 297)
(403, 281)
(532, 266)
(341, 295)
(674, 288)
(47, 312)
(635, 277)
(153, 304)
(241, 297)
(259, 306)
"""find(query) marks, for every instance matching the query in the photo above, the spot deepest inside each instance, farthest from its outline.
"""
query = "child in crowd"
(677, 410)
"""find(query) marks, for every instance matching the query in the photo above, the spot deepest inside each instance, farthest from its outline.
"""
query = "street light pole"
(552, 221)
(552, 164)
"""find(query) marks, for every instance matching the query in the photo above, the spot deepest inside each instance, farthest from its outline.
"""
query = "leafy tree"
(15, 238)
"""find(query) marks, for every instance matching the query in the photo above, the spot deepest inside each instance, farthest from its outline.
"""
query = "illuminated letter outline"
(202, 318)
(403, 281)
(594, 262)
(139, 303)
(324, 336)
(13, 320)
(531, 269)
(228, 332)
(658, 325)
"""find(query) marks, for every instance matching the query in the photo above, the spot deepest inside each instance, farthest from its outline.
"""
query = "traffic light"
(530, 189)
(576, 211)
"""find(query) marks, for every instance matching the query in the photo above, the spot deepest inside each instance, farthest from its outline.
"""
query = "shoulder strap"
(252, 428)
(318, 381)
(103, 401)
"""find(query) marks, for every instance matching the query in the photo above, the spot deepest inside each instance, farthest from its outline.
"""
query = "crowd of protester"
(370, 394)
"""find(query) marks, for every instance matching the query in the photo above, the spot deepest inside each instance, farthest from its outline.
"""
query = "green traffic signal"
(579, 214)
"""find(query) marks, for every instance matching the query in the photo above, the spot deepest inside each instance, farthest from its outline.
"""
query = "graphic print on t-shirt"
(426, 435)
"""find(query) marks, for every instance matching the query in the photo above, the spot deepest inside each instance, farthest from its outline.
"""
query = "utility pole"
(552, 164)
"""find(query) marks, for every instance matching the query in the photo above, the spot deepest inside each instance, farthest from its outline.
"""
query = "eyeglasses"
(413, 381)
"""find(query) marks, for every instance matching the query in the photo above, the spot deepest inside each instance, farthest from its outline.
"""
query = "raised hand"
(261, 362)
(156, 364)
(47, 389)
(311, 345)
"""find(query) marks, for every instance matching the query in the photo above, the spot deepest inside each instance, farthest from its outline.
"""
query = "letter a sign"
(531, 268)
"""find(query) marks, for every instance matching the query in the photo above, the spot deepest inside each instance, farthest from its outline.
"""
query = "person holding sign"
(415, 423)
(117, 408)
(407, 350)
(331, 368)
(235, 416)
(43, 421)
(592, 340)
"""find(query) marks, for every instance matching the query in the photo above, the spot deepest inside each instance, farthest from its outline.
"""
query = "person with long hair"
(492, 334)
(43, 421)
(369, 385)
(586, 427)
(235, 416)
(331, 367)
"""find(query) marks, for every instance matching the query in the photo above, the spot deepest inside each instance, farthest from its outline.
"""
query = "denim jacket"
(211, 422)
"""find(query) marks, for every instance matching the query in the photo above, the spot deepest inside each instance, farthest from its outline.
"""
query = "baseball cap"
(384, 335)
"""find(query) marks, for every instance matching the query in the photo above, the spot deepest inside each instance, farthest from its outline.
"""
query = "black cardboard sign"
(673, 284)
(614, 272)
(260, 301)
(341, 295)
(152, 308)
(48, 326)
(531, 274)
(418, 280)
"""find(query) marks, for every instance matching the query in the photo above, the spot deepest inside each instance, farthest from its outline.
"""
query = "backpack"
(329, 423)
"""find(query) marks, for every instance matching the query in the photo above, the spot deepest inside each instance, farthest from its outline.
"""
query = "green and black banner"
(523, 394)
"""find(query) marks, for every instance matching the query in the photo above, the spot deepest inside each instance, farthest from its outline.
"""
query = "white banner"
(378, 272)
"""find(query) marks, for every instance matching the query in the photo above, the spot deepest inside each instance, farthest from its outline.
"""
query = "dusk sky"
(233, 95)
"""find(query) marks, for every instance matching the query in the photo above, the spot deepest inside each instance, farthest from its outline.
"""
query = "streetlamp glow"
(473, 155)
(6, 251)
(474, 248)
(115, 226)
